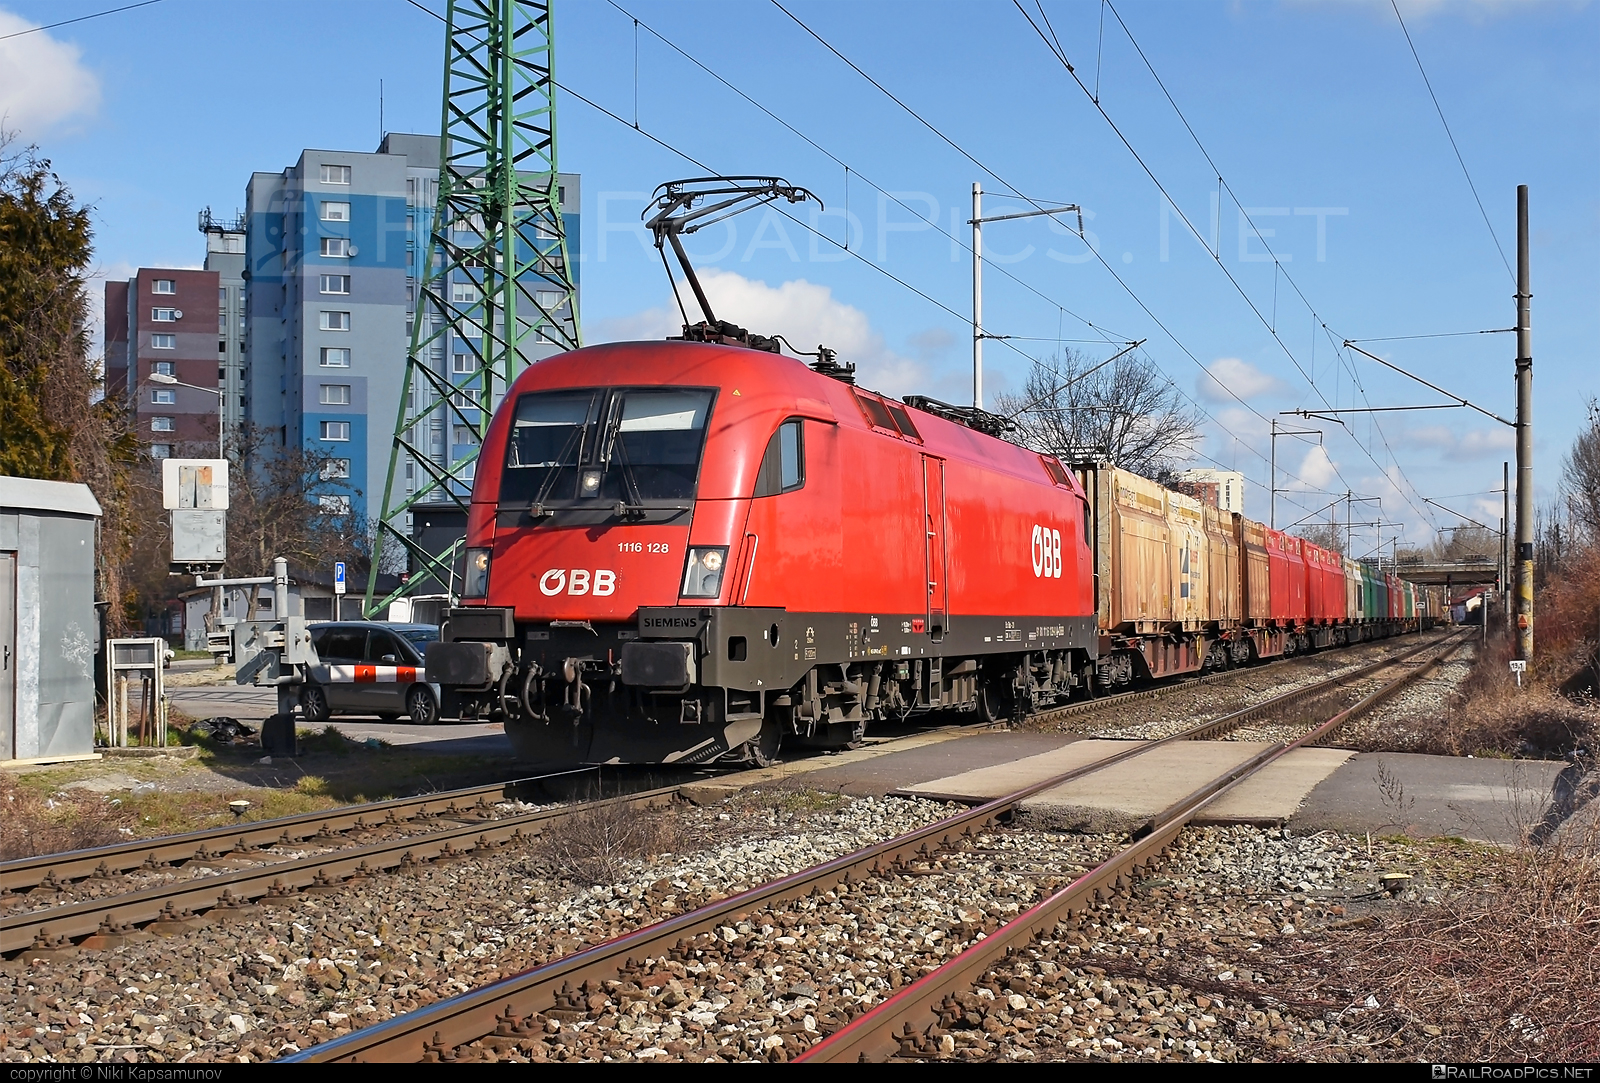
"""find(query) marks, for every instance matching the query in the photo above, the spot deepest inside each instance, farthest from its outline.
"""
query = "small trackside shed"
(48, 630)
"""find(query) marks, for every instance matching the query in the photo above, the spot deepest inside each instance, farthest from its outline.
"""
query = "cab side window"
(783, 467)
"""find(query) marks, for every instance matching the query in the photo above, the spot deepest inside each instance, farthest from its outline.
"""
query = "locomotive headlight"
(702, 572)
(590, 483)
(476, 577)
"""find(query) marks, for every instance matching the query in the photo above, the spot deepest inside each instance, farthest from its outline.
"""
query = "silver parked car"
(369, 643)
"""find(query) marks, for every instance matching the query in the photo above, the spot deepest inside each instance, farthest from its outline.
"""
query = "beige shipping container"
(1157, 560)
(1255, 589)
(1223, 582)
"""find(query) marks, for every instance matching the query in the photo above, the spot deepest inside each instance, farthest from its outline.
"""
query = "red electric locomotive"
(683, 551)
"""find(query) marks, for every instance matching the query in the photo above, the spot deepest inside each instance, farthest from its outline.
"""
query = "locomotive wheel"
(994, 705)
(764, 749)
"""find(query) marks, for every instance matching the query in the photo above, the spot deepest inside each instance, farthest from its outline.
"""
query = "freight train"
(692, 551)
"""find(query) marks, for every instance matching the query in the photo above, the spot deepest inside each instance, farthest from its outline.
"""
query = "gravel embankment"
(1181, 707)
(285, 978)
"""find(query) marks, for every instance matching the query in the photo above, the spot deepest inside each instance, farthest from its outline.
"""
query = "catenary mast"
(495, 281)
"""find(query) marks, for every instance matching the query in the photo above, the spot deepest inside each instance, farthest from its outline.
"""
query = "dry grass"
(1507, 969)
(32, 823)
(1489, 715)
(596, 845)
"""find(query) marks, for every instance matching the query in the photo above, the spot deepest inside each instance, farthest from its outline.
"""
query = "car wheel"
(420, 705)
(314, 702)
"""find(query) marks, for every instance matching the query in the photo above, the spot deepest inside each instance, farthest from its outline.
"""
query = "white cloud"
(1456, 444)
(802, 312)
(1316, 471)
(1230, 374)
(42, 81)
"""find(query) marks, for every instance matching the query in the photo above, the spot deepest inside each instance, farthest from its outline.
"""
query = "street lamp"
(173, 381)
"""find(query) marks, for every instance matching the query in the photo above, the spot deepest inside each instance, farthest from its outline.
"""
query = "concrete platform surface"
(1127, 794)
(1488, 800)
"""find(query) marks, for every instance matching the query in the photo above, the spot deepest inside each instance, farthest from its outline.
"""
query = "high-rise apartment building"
(163, 323)
(333, 248)
(225, 241)
(1222, 489)
(168, 327)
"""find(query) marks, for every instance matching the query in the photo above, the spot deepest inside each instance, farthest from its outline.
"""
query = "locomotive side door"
(933, 516)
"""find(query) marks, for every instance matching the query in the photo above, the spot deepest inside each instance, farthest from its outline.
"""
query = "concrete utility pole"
(977, 295)
(1524, 649)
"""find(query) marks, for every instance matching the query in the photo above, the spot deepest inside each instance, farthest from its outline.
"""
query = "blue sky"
(1314, 113)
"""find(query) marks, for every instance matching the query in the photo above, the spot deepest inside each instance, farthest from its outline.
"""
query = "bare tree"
(1126, 412)
(281, 503)
(1323, 535)
(1580, 478)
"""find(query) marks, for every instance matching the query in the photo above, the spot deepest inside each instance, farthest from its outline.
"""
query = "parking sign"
(338, 577)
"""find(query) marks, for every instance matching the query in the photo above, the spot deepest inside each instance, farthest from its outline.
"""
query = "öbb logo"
(1046, 553)
(600, 582)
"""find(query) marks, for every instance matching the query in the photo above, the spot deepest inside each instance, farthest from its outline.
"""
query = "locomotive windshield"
(629, 445)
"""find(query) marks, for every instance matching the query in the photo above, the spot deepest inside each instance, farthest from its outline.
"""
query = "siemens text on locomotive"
(687, 551)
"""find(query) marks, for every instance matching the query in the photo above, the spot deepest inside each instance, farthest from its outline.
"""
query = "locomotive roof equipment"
(676, 210)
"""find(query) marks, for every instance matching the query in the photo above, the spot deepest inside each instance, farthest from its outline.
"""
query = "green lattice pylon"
(496, 279)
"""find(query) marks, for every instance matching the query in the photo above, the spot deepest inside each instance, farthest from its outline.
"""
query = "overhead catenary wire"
(1108, 336)
(1451, 136)
(79, 19)
(1060, 56)
(1278, 267)
(1101, 259)
(1238, 441)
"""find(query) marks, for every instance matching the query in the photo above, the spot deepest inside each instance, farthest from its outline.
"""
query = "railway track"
(230, 868)
(518, 1012)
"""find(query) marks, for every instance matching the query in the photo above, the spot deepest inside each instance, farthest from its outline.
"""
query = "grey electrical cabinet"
(48, 634)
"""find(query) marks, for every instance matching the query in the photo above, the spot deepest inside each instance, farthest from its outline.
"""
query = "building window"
(335, 468)
(463, 362)
(549, 300)
(163, 315)
(163, 396)
(334, 505)
(336, 321)
(163, 367)
(463, 434)
(335, 358)
(336, 430)
(163, 342)
(161, 424)
(335, 212)
(336, 247)
(161, 451)
(464, 293)
(335, 174)
(163, 285)
(335, 283)
(335, 395)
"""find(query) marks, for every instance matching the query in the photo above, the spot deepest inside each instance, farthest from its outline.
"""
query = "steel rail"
(1178, 683)
(179, 902)
(475, 1014)
(24, 873)
(908, 1023)
(21, 875)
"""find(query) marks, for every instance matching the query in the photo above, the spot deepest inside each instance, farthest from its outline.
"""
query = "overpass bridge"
(1452, 573)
